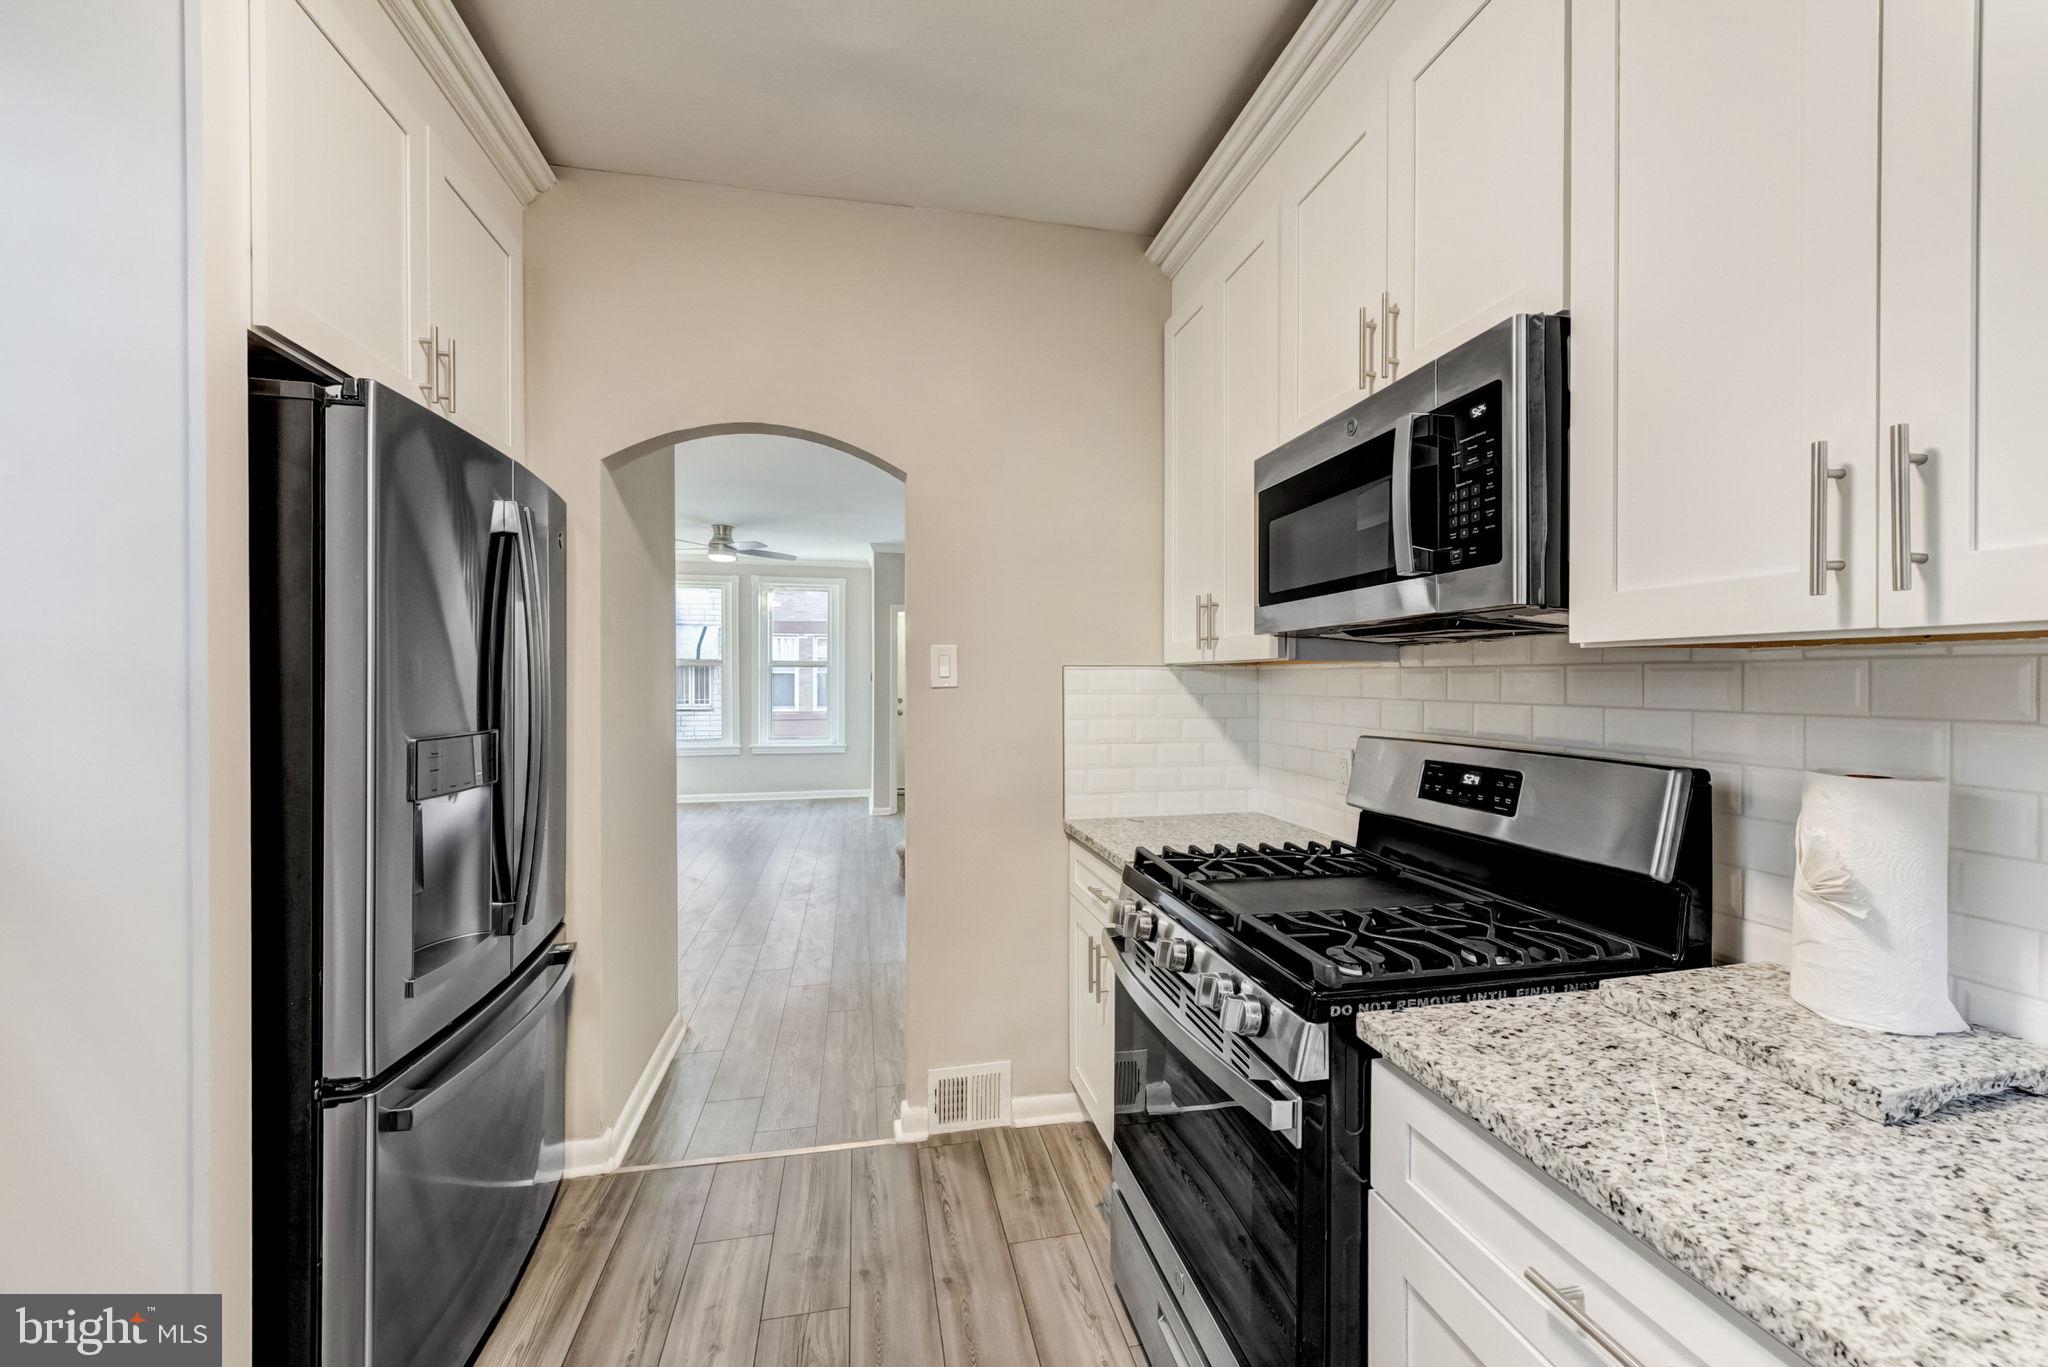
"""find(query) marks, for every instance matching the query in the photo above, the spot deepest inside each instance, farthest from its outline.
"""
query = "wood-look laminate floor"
(791, 937)
(985, 1249)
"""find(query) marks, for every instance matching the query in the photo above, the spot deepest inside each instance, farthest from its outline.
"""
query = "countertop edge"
(1663, 1239)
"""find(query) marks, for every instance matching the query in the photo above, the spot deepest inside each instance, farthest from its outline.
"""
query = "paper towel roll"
(1870, 904)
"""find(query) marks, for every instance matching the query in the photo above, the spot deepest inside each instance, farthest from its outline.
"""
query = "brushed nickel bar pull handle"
(431, 346)
(1368, 335)
(1392, 313)
(450, 396)
(1570, 1301)
(1904, 458)
(1818, 563)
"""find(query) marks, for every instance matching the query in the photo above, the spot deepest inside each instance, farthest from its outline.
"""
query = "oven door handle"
(1407, 562)
(1279, 1114)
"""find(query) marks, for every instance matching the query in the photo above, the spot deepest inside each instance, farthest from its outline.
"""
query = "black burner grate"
(1223, 864)
(1361, 944)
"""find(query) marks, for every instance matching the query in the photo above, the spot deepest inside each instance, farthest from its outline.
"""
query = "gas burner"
(1314, 860)
(1355, 945)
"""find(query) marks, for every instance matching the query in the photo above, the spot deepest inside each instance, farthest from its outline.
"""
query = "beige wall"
(1011, 371)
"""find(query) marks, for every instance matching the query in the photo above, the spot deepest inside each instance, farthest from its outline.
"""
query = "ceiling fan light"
(723, 557)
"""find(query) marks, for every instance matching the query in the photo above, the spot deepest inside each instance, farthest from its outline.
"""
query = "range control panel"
(1471, 785)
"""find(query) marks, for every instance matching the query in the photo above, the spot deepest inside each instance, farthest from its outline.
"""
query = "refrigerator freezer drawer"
(437, 1185)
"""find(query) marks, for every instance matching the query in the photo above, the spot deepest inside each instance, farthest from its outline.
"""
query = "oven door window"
(1226, 1188)
(1329, 528)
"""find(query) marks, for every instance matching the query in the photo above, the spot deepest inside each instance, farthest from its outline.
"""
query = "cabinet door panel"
(338, 178)
(1420, 1313)
(1250, 298)
(1724, 250)
(1194, 473)
(1088, 1063)
(476, 302)
(1335, 232)
(1476, 177)
(1963, 297)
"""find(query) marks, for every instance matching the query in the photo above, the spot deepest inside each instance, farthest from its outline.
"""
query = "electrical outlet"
(1344, 769)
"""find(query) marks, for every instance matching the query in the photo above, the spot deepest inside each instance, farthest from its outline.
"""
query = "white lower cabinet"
(1475, 1257)
(1420, 1313)
(1091, 987)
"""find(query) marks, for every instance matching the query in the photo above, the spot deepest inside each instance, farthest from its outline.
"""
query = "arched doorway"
(788, 558)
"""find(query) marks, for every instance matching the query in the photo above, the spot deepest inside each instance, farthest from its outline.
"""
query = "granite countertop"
(1857, 1244)
(1115, 839)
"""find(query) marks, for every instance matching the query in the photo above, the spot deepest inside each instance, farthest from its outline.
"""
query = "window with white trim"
(704, 619)
(800, 691)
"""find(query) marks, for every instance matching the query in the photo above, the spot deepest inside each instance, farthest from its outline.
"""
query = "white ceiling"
(1090, 112)
(812, 501)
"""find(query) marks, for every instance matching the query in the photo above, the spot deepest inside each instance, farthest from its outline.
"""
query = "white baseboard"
(913, 1123)
(589, 1157)
(687, 799)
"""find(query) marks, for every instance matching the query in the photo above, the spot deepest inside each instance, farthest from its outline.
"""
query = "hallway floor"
(982, 1249)
(791, 981)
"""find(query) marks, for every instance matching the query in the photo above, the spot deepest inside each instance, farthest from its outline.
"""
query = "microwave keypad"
(1469, 429)
(1471, 785)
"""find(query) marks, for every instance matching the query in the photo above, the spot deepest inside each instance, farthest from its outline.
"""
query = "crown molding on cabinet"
(1327, 37)
(444, 46)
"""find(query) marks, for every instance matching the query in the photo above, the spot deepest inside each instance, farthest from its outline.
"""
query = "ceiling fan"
(722, 548)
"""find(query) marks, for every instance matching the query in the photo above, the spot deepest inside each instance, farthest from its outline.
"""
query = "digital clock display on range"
(1475, 786)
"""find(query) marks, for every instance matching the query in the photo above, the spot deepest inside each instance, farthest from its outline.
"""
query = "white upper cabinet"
(383, 242)
(1964, 296)
(476, 304)
(340, 173)
(1194, 476)
(1724, 260)
(1475, 169)
(1249, 296)
(1333, 220)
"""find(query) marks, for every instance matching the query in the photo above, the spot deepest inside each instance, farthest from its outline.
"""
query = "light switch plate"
(945, 666)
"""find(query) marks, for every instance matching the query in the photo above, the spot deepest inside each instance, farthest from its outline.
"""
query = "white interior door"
(1724, 254)
(1476, 168)
(1333, 224)
(900, 632)
(1964, 295)
(1194, 453)
(338, 178)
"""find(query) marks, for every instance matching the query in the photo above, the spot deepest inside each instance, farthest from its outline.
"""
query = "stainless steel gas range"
(1237, 1213)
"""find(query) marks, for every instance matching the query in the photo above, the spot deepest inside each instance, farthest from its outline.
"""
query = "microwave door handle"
(1405, 558)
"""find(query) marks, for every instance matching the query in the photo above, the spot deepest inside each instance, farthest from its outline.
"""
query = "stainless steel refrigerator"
(408, 644)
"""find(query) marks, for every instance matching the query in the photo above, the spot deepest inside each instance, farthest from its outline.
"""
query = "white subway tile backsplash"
(1694, 687)
(1271, 739)
(2003, 757)
(1825, 687)
(1652, 733)
(1900, 749)
(1994, 823)
(1604, 685)
(1750, 739)
(1538, 683)
(1982, 688)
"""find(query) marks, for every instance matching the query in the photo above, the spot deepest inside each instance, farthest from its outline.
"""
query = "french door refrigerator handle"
(421, 1104)
(1279, 1114)
(540, 707)
(504, 559)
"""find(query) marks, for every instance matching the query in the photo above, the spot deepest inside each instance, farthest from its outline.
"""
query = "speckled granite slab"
(1114, 839)
(1857, 1245)
(1746, 1012)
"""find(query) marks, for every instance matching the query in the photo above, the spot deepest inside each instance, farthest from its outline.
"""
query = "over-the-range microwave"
(1432, 510)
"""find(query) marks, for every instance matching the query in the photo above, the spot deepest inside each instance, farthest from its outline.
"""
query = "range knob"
(1244, 1015)
(1177, 955)
(1212, 988)
(1138, 923)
